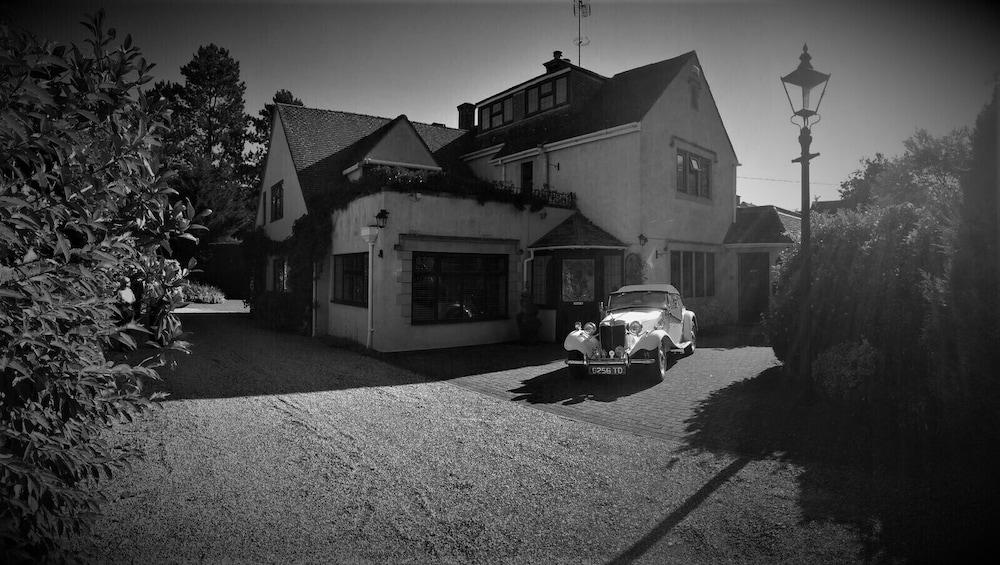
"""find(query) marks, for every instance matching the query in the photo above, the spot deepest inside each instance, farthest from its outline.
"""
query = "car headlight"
(635, 328)
(590, 328)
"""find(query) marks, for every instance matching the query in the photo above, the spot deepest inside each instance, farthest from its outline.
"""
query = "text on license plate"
(607, 370)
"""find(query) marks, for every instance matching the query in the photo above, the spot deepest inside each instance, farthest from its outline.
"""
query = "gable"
(279, 167)
(401, 145)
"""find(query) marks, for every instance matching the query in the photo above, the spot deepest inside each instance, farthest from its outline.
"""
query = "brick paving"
(536, 377)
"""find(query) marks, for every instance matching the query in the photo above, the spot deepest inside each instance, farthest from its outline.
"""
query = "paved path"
(536, 376)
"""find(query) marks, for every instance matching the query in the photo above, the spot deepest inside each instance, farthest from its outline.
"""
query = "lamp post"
(805, 79)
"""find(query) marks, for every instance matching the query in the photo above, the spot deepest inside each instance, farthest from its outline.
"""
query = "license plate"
(607, 370)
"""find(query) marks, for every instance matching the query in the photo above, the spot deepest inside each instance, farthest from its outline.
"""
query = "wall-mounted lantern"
(382, 218)
(642, 240)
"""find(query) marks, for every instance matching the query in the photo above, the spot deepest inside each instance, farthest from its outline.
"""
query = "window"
(612, 273)
(692, 273)
(279, 274)
(540, 279)
(497, 113)
(527, 176)
(548, 94)
(263, 205)
(277, 204)
(694, 174)
(458, 287)
(350, 279)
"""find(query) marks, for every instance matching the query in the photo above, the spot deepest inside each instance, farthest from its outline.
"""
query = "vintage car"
(642, 326)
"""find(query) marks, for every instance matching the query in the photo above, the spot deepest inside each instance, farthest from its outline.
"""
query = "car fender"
(688, 324)
(649, 341)
(580, 340)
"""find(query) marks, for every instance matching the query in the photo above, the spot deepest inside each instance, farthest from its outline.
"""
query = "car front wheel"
(662, 360)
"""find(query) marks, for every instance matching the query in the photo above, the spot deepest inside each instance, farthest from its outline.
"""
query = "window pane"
(699, 274)
(710, 274)
(458, 287)
(484, 118)
(508, 109)
(545, 87)
(704, 189)
(539, 290)
(578, 280)
(675, 269)
(612, 273)
(560, 90)
(687, 270)
(681, 178)
(532, 100)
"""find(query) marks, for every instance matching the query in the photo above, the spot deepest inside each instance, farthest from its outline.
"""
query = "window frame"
(693, 174)
(693, 273)
(497, 113)
(337, 278)
(528, 173)
(277, 201)
(551, 93)
(279, 276)
(438, 275)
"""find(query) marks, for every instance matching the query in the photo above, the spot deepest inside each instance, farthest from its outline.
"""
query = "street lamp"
(803, 81)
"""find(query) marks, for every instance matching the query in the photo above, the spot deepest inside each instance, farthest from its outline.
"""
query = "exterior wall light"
(382, 218)
(642, 240)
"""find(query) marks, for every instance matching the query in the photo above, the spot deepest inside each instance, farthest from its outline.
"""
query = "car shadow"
(560, 387)
(910, 499)
(458, 362)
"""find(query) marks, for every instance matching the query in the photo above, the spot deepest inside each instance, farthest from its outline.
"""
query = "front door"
(754, 287)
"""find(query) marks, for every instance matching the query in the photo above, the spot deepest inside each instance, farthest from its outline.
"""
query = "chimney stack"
(466, 116)
(557, 63)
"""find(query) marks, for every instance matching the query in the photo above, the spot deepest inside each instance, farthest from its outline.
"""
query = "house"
(562, 187)
(756, 239)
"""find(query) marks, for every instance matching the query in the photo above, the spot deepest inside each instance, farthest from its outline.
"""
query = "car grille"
(613, 335)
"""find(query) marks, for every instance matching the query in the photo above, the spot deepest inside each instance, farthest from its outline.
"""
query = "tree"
(206, 139)
(258, 135)
(84, 219)
(928, 173)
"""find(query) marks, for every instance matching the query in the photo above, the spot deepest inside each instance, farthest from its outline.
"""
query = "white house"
(615, 179)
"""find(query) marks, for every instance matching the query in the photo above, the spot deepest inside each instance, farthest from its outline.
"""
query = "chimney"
(557, 63)
(466, 116)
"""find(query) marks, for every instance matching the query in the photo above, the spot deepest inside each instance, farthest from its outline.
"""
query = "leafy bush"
(203, 294)
(848, 371)
(84, 219)
(871, 274)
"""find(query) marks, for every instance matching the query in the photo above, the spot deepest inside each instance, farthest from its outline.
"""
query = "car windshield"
(643, 299)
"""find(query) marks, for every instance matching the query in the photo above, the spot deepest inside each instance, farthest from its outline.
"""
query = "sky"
(895, 66)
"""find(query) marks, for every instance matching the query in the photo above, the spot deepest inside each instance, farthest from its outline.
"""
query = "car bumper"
(626, 361)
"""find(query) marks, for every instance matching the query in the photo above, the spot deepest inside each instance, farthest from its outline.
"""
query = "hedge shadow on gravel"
(910, 499)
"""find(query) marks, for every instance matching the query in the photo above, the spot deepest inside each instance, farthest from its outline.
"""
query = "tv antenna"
(581, 9)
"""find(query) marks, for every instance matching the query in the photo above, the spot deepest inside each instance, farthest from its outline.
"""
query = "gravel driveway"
(278, 448)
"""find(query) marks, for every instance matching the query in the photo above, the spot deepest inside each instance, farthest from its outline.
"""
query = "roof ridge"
(304, 107)
(654, 63)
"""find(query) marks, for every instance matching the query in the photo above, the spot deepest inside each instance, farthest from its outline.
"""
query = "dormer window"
(547, 95)
(496, 114)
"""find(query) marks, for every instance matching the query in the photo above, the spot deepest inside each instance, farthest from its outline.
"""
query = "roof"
(323, 142)
(648, 288)
(577, 231)
(622, 99)
(832, 206)
(764, 224)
